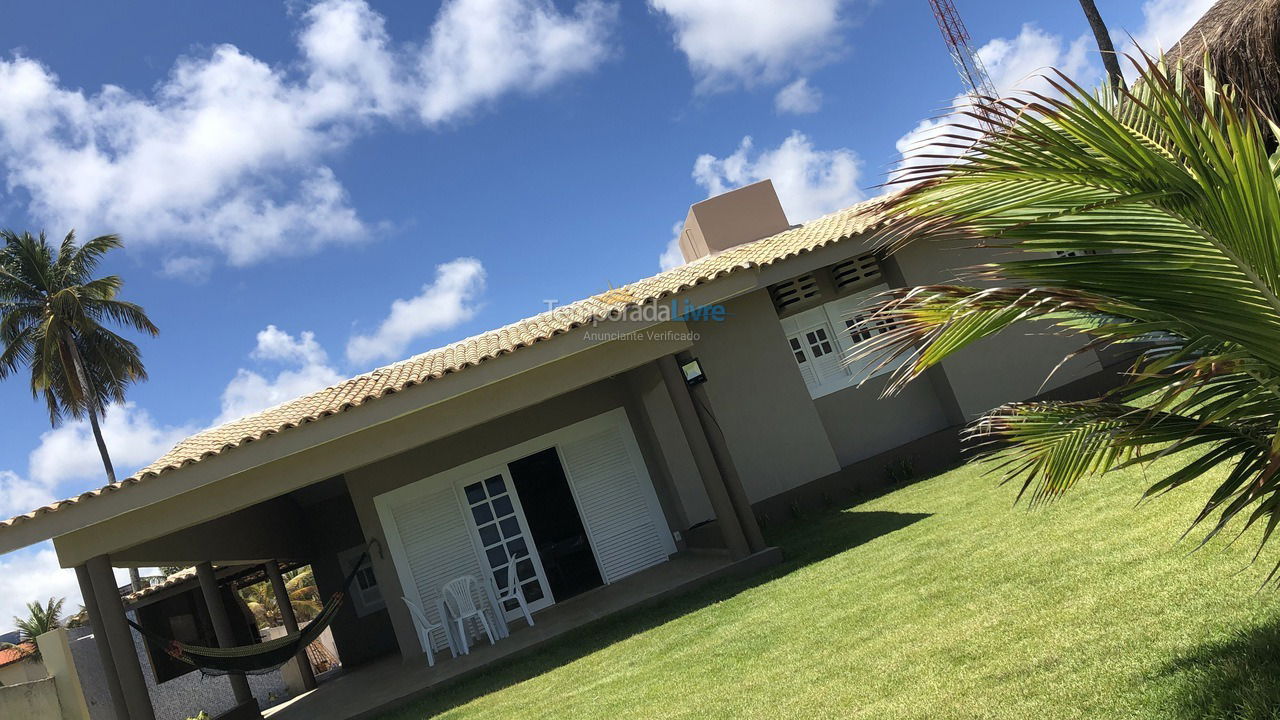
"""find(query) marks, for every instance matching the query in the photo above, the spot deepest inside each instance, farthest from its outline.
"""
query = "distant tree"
(40, 620)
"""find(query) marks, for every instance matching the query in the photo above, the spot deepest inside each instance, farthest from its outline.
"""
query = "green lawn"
(939, 600)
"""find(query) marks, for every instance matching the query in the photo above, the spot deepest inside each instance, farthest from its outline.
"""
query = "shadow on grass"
(1233, 679)
(803, 542)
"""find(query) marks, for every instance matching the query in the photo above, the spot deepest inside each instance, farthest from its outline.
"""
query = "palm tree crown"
(53, 314)
(1148, 219)
(40, 619)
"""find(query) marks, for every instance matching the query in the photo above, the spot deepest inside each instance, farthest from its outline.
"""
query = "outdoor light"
(692, 371)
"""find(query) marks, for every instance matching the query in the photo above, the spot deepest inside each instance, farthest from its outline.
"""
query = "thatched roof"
(1243, 39)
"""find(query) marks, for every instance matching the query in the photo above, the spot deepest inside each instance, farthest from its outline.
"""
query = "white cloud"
(188, 268)
(1165, 22)
(798, 98)
(671, 256)
(809, 182)
(746, 42)
(308, 370)
(228, 153)
(276, 344)
(481, 49)
(1014, 65)
(33, 575)
(69, 454)
(447, 301)
(18, 495)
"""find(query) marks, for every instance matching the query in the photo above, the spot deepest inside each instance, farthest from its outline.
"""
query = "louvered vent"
(786, 294)
(856, 270)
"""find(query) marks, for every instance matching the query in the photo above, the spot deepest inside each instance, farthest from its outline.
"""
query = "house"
(19, 664)
(611, 448)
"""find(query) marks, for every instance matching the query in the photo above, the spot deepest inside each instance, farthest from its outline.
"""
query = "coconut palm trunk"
(1109, 59)
(85, 392)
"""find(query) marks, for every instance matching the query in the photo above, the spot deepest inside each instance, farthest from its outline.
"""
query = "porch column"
(222, 626)
(728, 471)
(708, 469)
(124, 656)
(100, 641)
(290, 621)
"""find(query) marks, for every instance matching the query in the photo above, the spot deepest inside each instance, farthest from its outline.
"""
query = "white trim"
(548, 598)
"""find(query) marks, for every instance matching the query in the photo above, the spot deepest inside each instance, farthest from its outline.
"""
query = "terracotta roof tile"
(21, 651)
(476, 349)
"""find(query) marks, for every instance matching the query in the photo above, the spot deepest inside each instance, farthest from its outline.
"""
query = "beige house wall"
(55, 653)
(772, 428)
(1010, 366)
(33, 700)
(860, 424)
(22, 671)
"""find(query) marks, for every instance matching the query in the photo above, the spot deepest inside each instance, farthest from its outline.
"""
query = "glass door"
(503, 536)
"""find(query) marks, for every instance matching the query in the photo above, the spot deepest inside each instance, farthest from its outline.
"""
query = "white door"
(501, 532)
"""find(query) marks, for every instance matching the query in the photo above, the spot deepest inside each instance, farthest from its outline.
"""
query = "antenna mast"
(963, 55)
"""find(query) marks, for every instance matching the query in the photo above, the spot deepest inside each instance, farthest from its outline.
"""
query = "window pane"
(510, 528)
(497, 557)
(502, 506)
(533, 591)
(500, 578)
(524, 569)
(489, 535)
(795, 348)
(474, 492)
(482, 513)
(496, 485)
(517, 548)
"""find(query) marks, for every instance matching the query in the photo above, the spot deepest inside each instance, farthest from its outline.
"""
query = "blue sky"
(307, 191)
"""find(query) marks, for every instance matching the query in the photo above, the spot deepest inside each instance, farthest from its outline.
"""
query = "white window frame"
(363, 600)
(821, 375)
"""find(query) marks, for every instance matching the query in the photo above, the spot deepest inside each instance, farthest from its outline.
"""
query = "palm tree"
(1162, 207)
(52, 312)
(40, 620)
(301, 586)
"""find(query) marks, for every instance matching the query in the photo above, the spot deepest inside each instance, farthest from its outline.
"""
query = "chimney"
(736, 217)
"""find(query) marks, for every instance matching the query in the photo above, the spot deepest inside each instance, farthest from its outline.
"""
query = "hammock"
(252, 659)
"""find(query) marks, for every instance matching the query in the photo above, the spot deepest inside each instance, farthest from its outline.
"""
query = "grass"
(939, 600)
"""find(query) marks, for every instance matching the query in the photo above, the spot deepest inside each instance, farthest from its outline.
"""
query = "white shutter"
(617, 504)
(437, 548)
(845, 314)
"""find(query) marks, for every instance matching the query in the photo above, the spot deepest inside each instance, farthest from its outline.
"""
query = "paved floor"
(371, 689)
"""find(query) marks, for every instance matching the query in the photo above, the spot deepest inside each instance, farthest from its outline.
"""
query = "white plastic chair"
(459, 599)
(513, 591)
(425, 627)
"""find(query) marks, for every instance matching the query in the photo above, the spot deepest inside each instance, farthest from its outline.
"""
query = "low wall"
(35, 700)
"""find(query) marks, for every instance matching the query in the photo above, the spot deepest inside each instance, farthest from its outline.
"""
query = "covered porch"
(385, 684)
(594, 460)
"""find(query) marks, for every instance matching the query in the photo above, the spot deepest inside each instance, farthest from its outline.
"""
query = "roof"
(17, 653)
(472, 351)
(178, 578)
(1243, 41)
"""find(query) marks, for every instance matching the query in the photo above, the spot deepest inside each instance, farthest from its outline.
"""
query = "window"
(365, 594)
(821, 353)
